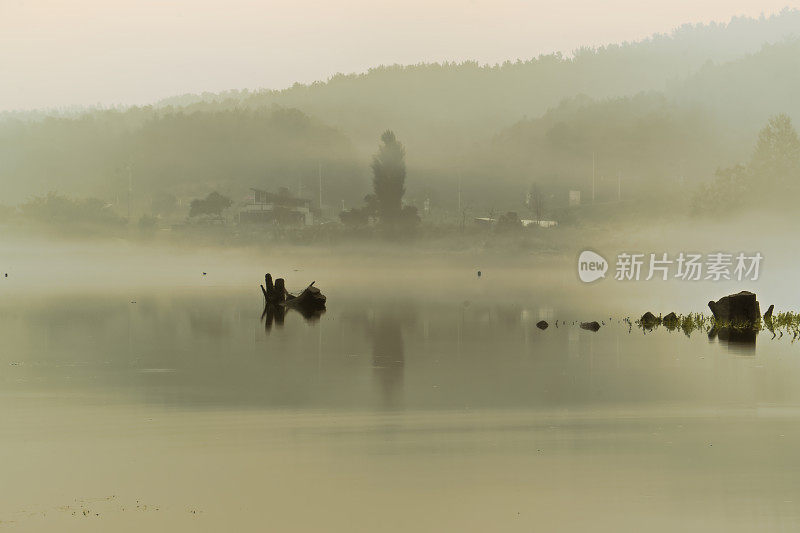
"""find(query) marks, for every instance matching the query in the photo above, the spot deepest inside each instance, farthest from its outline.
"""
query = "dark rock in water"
(591, 326)
(649, 319)
(768, 314)
(741, 308)
(670, 321)
(542, 324)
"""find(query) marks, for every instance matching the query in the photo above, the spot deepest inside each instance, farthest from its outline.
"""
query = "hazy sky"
(62, 52)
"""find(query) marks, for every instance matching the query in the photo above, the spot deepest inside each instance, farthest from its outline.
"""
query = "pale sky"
(65, 52)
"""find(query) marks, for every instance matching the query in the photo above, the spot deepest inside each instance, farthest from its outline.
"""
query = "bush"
(65, 213)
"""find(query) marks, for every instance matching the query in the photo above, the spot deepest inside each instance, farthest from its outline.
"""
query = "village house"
(277, 208)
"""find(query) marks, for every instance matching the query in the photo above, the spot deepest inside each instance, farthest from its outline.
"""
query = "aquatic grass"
(779, 324)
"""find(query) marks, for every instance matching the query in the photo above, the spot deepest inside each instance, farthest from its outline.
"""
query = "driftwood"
(310, 303)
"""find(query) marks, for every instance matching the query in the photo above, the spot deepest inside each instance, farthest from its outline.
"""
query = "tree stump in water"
(273, 293)
(738, 309)
(279, 291)
(310, 301)
(268, 282)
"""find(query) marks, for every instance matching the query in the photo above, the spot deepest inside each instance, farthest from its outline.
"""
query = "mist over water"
(173, 405)
(457, 371)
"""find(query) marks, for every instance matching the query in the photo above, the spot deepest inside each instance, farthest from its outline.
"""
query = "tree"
(354, 218)
(66, 213)
(727, 192)
(148, 224)
(164, 204)
(535, 202)
(389, 177)
(776, 158)
(771, 178)
(360, 216)
(213, 205)
(388, 182)
(508, 222)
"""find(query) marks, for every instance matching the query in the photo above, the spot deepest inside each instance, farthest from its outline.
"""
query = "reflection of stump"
(742, 339)
(273, 313)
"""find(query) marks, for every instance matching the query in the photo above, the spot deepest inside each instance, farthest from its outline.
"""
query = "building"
(541, 223)
(277, 208)
(487, 221)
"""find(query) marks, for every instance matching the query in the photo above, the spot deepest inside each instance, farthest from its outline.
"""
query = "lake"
(423, 399)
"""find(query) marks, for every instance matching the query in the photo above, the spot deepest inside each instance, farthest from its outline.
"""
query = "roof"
(281, 199)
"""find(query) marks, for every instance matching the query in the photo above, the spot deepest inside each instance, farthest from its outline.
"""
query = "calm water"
(438, 406)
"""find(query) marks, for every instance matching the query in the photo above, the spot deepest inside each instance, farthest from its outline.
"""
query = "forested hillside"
(184, 153)
(650, 117)
(444, 107)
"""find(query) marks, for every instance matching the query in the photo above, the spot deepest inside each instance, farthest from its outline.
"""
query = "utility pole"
(130, 191)
(319, 171)
(459, 193)
(594, 168)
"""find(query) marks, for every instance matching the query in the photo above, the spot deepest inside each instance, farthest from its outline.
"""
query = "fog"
(140, 381)
(469, 251)
(697, 122)
(135, 52)
(371, 269)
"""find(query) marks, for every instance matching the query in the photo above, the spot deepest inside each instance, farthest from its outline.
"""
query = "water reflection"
(395, 354)
(276, 314)
(742, 340)
(388, 352)
(273, 314)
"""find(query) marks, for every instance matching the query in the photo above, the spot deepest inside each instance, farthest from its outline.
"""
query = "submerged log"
(310, 298)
